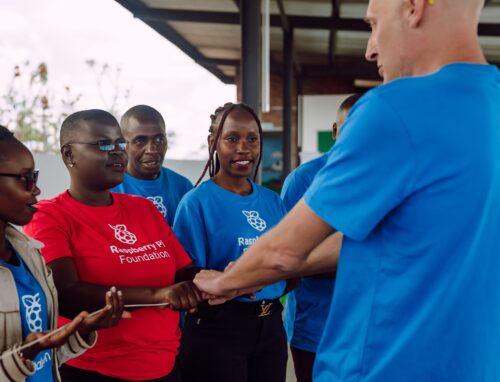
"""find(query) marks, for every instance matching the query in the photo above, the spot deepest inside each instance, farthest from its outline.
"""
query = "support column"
(287, 101)
(250, 53)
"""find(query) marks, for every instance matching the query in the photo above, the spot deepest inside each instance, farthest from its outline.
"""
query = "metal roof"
(330, 36)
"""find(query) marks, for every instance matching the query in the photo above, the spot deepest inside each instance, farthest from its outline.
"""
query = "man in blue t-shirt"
(144, 129)
(307, 306)
(414, 186)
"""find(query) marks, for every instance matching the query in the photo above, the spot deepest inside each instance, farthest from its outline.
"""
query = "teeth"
(243, 162)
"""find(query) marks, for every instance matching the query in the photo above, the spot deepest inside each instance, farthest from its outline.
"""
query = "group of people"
(387, 244)
(112, 227)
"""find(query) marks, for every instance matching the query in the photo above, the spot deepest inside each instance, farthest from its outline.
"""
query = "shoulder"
(131, 200)
(195, 195)
(308, 169)
(178, 178)
(57, 203)
(266, 193)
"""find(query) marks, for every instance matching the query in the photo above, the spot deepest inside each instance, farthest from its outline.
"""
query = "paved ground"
(290, 375)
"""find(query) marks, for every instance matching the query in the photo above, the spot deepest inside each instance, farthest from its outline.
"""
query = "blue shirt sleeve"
(189, 228)
(368, 172)
(288, 193)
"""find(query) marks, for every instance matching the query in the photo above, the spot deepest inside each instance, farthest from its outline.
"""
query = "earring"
(71, 164)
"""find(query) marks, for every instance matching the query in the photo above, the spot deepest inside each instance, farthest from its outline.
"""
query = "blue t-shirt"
(216, 226)
(165, 192)
(34, 315)
(414, 185)
(307, 306)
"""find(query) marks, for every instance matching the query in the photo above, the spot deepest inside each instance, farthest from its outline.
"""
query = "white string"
(61, 328)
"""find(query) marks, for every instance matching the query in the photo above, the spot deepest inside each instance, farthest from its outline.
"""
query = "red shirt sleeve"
(50, 229)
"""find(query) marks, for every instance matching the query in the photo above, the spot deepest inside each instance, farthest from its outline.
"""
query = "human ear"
(67, 155)
(414, 11)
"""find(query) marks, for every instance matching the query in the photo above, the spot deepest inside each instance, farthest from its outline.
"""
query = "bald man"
(414, 186)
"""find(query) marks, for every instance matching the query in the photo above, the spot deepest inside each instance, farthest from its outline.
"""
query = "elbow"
(283, 261)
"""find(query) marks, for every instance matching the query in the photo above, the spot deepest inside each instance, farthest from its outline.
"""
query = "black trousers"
(73, 374)
(303, 362)
(231, 343)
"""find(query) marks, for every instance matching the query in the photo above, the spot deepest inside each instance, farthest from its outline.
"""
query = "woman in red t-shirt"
(95, 238)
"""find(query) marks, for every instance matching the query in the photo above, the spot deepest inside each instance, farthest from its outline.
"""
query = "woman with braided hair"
(241, 340)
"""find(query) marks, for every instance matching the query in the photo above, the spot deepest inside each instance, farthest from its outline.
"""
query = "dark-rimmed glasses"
(29, 178)
(106, 144)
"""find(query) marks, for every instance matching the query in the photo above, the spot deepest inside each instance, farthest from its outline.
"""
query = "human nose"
(242, 146)
(36, 191)
(371, 53)
(152, 146)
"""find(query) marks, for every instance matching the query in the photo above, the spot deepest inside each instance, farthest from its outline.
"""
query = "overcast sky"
(66, 33)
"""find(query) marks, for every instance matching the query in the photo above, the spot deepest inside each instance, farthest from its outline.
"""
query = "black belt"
(262, 308)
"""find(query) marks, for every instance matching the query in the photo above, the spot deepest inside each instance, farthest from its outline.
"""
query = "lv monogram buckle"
(265, 309)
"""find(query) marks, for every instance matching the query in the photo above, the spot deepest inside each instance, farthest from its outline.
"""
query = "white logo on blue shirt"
(33, 310)
(158, 202)
(123, 235)
(255, 220)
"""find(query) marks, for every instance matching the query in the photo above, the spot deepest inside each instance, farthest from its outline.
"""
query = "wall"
(318, 112)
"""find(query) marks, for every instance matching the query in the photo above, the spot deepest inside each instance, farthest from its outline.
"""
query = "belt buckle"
(265, 309)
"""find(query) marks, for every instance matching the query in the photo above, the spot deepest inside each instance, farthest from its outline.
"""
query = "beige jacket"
(12, 367)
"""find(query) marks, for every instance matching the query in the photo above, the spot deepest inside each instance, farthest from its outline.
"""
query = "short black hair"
(6, 134)
(349, 102)
(143, 113)
(71, 124)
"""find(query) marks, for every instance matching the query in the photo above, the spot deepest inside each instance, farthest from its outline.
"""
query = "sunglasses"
(29, 178)
(106, 144)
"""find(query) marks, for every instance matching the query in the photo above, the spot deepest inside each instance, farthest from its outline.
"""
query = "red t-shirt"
(125, 244)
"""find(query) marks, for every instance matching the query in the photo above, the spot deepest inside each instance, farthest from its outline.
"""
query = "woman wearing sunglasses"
(95, 238)
(28, 307)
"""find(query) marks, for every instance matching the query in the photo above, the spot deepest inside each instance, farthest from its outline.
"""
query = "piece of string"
(52, 332)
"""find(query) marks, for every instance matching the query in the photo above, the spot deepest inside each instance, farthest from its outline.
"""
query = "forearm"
(322, 261)
(77, 296)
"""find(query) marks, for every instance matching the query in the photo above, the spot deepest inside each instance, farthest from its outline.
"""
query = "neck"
(240, 185)
(456, 45)
(5, 252)
(90, 197)
(136, 175)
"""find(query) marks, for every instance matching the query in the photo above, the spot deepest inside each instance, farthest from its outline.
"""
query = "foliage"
(108, 81)
(32, 109)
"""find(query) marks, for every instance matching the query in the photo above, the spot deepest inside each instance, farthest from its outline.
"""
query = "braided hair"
(215, 130)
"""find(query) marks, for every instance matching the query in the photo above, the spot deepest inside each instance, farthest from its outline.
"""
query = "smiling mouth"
(117, 166)
(243, 162)
(150, 163)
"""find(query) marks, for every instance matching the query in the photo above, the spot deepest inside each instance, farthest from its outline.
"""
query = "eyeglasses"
(106, 144)
(29, 178)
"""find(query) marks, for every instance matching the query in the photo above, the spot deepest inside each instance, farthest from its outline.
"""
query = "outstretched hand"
(59, 338)
(208, 282)
(108, 317)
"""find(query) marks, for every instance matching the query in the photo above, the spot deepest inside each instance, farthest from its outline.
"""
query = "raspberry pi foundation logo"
(123, 235)
(158, 202)
(255, 220)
